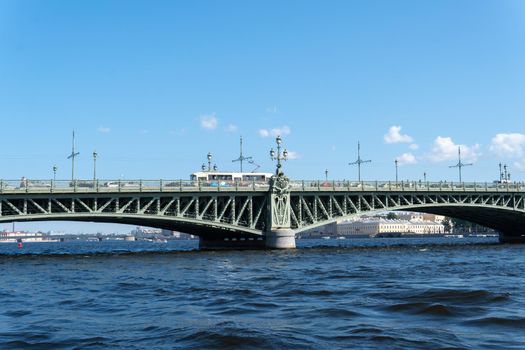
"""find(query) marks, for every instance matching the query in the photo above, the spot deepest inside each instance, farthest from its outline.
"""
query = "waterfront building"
(11, 237)
(380, 226)
(413, 216)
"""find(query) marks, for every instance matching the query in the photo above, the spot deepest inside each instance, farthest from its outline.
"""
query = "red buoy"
(20, 245)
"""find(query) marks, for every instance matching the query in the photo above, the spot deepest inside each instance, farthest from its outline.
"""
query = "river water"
(436, 293)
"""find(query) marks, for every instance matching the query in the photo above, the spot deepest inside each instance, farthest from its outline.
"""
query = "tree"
(447, 225)
(461, 225)
(391, 216)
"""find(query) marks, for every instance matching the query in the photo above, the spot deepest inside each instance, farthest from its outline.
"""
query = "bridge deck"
(134, 186)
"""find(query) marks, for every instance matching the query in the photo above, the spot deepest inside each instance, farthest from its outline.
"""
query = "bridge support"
(279, 235)
(280, 239)
(512, 238)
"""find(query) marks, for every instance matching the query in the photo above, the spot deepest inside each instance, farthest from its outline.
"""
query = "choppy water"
(367, 294)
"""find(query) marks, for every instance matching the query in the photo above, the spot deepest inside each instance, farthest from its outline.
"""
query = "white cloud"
(406, 158)
(508, 145)
(293, 155)
(414, 147)
(282, 131)
(104, 130)
(445, 149)
(394, 136)
(264, 133)
(231, 128)
(209, 122)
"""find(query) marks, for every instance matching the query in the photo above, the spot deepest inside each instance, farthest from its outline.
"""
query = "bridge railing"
(418, 186)
(89, 186)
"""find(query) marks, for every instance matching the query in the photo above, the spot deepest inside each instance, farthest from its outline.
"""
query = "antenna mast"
(72, 156)
(359, 161)
(460, 164)
(242, 157)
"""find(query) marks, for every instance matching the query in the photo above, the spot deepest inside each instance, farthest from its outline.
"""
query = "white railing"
(89, 186)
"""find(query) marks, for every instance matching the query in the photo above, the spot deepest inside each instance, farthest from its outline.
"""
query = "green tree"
(447, 225)
(391, 216)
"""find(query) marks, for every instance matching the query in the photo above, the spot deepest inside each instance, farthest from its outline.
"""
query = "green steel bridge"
(258, 214)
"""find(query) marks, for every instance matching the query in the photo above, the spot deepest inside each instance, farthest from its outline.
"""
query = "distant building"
(176, 235)
(379, 226)
(412, 216)
(9, 237)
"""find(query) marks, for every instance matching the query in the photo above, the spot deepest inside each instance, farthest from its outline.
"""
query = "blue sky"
(154, 86)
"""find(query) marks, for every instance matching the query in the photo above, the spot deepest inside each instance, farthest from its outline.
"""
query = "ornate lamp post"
(209, 157)
(278, 156)
(279, 234)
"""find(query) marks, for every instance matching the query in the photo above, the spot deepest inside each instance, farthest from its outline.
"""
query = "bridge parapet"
(135, 186)
(408, 186)
(140, 186)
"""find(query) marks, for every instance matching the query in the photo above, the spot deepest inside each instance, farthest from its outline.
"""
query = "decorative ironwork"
(279, 191)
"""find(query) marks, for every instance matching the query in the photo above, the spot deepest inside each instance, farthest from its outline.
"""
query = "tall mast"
(359, 161)
(242, 157)
(460, 164)
(72, 156)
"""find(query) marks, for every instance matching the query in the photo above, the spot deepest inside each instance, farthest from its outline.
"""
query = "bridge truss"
(249, 211)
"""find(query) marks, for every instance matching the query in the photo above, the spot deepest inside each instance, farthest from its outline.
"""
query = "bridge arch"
(504, 212)
(187, 225)
(232, 219)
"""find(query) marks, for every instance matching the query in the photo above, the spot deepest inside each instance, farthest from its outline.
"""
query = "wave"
(457, 296)
(37, 341)
(424, 309)
(515, 322)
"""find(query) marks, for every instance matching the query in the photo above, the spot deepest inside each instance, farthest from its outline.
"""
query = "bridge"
(258, 214)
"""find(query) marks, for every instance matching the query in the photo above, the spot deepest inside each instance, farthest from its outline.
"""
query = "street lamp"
(425, 176)
(209, 161)
(326, 175)
(55, 168)
(278, 156)
(396, 162)
(94, 166)
(209, 157)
